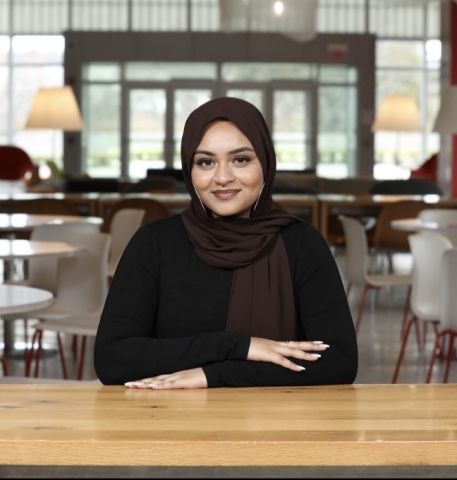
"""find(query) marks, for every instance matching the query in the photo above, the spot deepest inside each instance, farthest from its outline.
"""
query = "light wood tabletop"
(368, 425)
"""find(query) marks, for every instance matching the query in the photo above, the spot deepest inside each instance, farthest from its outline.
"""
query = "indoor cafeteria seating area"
(360, 100)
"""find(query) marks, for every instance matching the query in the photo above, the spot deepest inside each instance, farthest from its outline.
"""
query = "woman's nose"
(223, 174)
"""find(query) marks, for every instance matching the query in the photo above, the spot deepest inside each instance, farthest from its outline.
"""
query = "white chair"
(443, 217)
(357, 260)
(124, 224)
(41, 272)
(79, 297)
(447, 328)
(427, 249)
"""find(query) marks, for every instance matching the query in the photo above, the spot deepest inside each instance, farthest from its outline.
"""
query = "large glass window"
(102, 135)
(4, 87)
(337, 135)
(147, 115)
(165, 71)
(36, 62)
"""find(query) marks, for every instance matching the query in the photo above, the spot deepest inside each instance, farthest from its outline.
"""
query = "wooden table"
(84, 203)
(360, 425)
(354, 205)
(304, 206)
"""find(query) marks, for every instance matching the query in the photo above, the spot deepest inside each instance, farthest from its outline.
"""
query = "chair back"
(42, 272)
(154, 210)
(386, 237)
(81, 280)
(356, 259)
(124, 224)
(448, 294)
(14, 163)
(427, 249)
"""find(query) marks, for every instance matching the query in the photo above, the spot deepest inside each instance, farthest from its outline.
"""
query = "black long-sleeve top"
(166, 311)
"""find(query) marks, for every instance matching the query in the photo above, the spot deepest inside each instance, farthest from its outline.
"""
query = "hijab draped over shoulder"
(262, 302)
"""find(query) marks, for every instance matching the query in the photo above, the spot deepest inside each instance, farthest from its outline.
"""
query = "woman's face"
(226, 172)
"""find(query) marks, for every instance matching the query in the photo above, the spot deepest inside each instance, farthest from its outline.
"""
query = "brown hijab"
(262, 300)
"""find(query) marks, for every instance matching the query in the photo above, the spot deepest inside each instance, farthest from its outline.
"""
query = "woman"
(230, 292)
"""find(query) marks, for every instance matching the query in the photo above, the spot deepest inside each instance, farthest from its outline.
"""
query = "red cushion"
(14, 163)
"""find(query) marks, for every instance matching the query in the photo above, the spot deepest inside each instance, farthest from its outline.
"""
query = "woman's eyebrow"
(231, 152)
(204, 152)
(241, 149)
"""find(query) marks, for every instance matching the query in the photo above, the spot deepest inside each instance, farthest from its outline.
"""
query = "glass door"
(294, 124)
(146, 120)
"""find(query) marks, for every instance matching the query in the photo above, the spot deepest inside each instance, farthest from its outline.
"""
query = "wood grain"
(336, 425)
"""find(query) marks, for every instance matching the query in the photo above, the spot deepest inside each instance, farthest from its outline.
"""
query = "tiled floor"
(378, 342)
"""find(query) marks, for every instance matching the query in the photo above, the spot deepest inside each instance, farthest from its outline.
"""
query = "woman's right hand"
(265, 350)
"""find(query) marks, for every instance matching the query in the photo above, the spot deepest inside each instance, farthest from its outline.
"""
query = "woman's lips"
(225, 194)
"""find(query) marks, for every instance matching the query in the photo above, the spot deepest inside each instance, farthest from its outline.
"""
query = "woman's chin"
(229, 211)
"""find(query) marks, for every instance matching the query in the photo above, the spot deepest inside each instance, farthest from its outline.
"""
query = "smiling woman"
(231, 292)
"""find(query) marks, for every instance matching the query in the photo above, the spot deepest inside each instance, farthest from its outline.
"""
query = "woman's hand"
(264, 350)
(193, 378)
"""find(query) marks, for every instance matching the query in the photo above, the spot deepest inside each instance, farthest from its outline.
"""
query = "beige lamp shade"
(398, 113)
(446, 120)
(55, 108)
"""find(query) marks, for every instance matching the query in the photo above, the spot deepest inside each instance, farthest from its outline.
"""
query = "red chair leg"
(362, 304)
(26, 333)
(449, 356)
(405, 311)
(38, 353)
(4, 366)
(403, 347)
(81, 358)
(29, 353)
(62, 357)
(433, 358)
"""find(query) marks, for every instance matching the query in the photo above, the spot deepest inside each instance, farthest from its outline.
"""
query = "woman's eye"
(241, 160)
(204, 162)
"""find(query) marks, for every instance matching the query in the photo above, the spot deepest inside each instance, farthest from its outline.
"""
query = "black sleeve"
(324, 315)
(125, 347)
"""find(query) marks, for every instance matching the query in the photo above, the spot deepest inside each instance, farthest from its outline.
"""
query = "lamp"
(446, 120)
(55, 108)
(398, 113)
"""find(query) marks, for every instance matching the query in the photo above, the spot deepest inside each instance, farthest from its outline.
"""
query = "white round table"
(20, 298)
(26, 249)
(12, 222)
(416, 224)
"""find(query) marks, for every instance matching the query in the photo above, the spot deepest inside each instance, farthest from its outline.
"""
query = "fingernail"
(315, 355)
(301, 368)
(325, 345)
(317, 342)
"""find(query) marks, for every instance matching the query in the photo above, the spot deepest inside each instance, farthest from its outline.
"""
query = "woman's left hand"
(193, 378)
